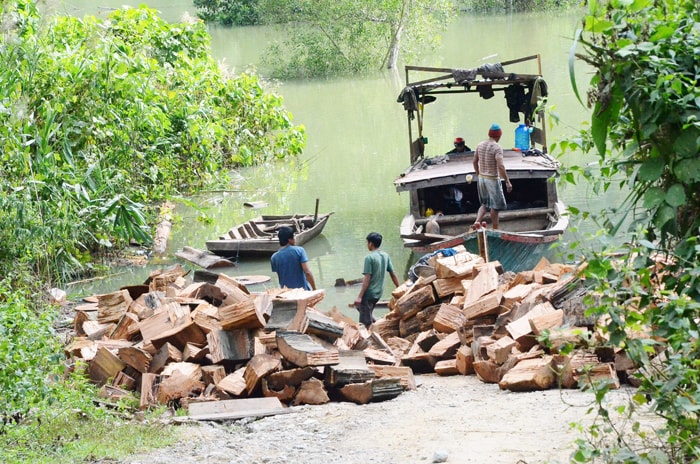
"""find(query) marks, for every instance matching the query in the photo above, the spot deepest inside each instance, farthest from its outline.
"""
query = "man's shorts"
(491, 194)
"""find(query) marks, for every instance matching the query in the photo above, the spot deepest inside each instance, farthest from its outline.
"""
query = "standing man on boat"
(377, 264)
(291, 263)
(488, 165)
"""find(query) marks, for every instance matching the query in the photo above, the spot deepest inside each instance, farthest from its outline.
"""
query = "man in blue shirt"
(290, 262)
(377, 264)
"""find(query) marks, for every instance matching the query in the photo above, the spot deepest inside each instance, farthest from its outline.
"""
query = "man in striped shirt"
(488, 165)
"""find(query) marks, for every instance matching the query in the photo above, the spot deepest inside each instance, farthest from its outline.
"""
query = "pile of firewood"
(471, 318)
(207, 340)
(181, 342)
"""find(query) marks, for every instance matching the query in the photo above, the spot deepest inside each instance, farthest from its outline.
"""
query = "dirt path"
(446, 419)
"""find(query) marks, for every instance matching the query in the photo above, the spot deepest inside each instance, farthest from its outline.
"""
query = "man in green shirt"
(377, 264)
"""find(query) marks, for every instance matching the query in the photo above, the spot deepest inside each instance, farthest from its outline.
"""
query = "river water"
(358, 144)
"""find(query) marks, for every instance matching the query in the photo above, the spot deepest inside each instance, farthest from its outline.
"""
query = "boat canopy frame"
(486, 78)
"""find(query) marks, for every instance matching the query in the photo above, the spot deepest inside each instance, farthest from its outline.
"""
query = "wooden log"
(484, 282)
(529, 375)
(351, 368)
(124, 381)
(465, 360)
(569, 367)
(419, 362)
(520, 328)
(322, 326)
(487, 371)
(294, 377)
(547, 321)
(446, 287)
(372, 391)
(302, 350)
(413, 302)
(82, 316)
(408, 326)
(514, 295)
(460, 265)
(258, 367)
(231, 346)
(283, 314)
(427, 339)
(166, 354)
(403, 373)
(95, 330)
(448, 318)
(136, 357)
(486, 305)
(213, 374)
(446, 367)
(149, 390)
(127, 328)
(426, 317)
(194, 353)
(82, 348)
(285, 394)
(104, 366)
(446, 348)
(499, 351)
(243, 315)
(112, 306)
(311, 392)
(387, 328)
(234, 383)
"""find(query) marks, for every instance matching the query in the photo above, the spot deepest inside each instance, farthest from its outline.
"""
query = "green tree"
(645, 131)
(327, 37)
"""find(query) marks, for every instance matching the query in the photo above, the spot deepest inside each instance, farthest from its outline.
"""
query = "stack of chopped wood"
(471, 318)
(177, 342)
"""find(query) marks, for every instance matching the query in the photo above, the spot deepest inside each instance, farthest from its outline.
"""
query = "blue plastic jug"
(522, 137)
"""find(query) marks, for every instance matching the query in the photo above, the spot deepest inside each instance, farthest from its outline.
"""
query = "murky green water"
(357, 145)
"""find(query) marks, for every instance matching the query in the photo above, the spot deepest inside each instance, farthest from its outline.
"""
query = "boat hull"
(258, 237)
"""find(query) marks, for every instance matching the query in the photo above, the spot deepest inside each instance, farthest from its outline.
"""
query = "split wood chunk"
(499, 351)
(104, 366)
(232, 346)
(447, 347)
(282, 314)
(520, 328)
(546, 321)
(352, 368)
(166, 354)
(149, 390)
(213, 374)
(136, 357)
(212, 294)
(311, 392)
(529, 375)
(446, 367)
(488, 304)
(321, 325)
(194, 352)
(285, 394)
(127, 328)
(112, 306)
(112, 393)
(301, 350)
(448, 318)
(243, 315)
(487, 371)
(569, 366)
(387, 328)
(465, 360)
(95, 330)
(485, 282)
(446, 287)
(574, 336)
(124, 381)
(377, 356)
(459, 265)
(258, 367)
(234, 383)
(420, 362)
(372, 391)
(413, 302)
(403, 373)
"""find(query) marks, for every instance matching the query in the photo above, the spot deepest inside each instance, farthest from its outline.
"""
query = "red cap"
(459, 140)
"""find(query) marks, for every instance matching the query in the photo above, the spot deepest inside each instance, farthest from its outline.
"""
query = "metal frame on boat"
(258, 237)
(447, 182)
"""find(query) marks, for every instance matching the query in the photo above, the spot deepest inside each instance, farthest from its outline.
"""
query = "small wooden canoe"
(258, 237)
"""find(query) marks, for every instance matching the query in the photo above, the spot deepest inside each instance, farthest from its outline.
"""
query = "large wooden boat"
(258, 237)
(447, 183)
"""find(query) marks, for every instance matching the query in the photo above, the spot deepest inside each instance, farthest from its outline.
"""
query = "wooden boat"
(448, 182)
(258, 237)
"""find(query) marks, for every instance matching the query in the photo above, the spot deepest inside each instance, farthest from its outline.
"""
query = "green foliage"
(645, 131)
(228, 13)
(327, 38)
(100, 119)
(514, 5)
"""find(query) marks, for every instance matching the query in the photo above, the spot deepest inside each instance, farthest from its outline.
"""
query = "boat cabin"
(444, 187)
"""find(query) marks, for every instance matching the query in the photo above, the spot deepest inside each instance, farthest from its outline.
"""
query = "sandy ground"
(446, 419)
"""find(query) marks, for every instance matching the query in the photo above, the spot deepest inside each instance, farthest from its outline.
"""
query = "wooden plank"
(203, 258)
(236, 409)
(303, 351)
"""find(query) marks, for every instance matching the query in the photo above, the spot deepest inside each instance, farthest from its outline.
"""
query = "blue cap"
(495, 127)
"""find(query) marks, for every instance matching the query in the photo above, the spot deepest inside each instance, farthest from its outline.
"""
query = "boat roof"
(453, 169)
